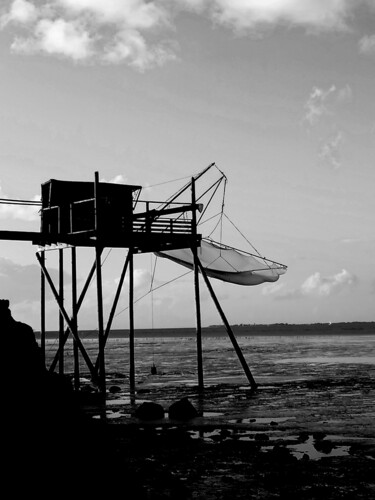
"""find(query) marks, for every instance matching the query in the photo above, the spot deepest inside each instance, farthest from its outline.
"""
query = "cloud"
(344, 95)
(330, 151)
(59, 37)
(117, 179)
(323, 108)
(324, 102)
(21, 283)
(367, 45)
(131, 47)
(272, 288)
(133, 32)
(109, 31)
(324, 286)
(313, 14)
(316, 106)
(317, 285)
(21, 11)
(17, 211)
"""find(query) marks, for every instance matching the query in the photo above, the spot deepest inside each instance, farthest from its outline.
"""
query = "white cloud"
(323, 108)
(20, 283)
(135, 14)
(58, 36)
(330, 151)
(18, 211)
(315, 14)
(272, 288)
(316, 105)
(323, 102)
(316, 284)
(367, 45)
(133, 31)
(130, 46)
(21, 11)
(118, 179)
(345, 94)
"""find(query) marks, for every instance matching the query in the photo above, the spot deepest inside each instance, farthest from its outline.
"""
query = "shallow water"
(270, 358)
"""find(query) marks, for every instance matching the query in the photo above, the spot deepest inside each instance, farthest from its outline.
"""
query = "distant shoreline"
(282, 329)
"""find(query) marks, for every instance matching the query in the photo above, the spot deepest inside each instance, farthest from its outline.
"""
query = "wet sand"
(307, 432)
(301, 439)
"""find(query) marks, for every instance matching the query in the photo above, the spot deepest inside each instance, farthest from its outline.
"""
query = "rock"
(261, 437)
(114, 388)
(149, 411)
(303, 436)
(182, 410)
(318, 436)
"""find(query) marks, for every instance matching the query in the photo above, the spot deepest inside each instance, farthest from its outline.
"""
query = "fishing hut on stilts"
(101, 215)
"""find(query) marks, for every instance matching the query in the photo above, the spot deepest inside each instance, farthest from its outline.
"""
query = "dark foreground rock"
(182, 410)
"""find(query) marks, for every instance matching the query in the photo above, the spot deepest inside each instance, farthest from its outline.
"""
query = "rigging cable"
(156, 288)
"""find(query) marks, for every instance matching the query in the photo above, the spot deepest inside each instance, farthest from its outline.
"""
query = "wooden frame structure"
(100, 215)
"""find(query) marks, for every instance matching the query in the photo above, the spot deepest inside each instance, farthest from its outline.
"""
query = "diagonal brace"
(232, 337)
(114, 305)
(79, 303)
(66, 317)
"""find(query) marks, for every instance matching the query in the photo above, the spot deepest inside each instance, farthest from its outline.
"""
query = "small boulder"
(149, 411)
(114, 389)
(182, 410)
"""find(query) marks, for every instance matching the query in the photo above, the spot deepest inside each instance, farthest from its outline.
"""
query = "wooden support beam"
(43, 312)
(75, 318)
(131, 322)
(228, 328)
(61, 317)
(79, 303)
(66, 317)
(99, 289)
(197, 297)
(114, 305)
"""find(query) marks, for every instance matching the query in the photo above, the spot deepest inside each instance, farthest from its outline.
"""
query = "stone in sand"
(182, 410)
(149, 411)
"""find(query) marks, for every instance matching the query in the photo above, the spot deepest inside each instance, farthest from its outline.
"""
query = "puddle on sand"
(311, 449)
(261, 420)
(315, 450)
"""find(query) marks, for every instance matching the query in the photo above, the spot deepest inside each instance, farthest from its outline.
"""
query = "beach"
(306, 432)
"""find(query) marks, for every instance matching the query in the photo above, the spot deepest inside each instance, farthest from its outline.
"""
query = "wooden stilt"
(66, 317)
(43, 312)
(228, 328)
(131, 322)
(79, 303)
(61, 317)
(114, 305)
(100, 321)
(99, 285)
(75, 318)
(197, 295)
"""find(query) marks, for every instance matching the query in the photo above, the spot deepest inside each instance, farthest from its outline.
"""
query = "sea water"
(271, 358)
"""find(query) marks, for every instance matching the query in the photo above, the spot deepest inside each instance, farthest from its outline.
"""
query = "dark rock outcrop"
(149, 411)
(182, 410)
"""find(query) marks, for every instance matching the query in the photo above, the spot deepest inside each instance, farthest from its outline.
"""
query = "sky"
(279, 94)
